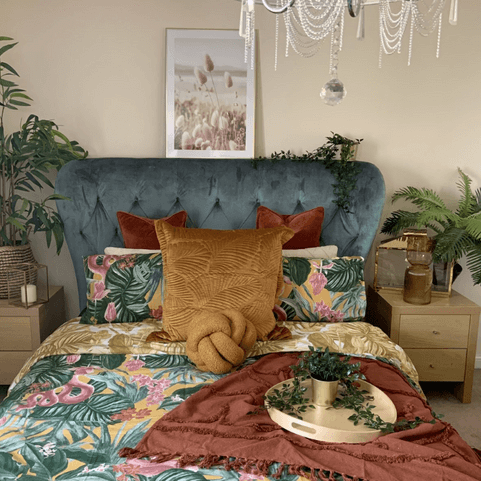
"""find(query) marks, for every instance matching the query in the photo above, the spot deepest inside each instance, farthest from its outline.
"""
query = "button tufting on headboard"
(216, 193)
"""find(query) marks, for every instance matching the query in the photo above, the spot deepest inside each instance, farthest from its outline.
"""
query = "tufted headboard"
(216, 193)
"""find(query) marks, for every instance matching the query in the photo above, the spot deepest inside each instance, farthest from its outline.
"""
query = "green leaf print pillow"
(125, 288)
(322, 290)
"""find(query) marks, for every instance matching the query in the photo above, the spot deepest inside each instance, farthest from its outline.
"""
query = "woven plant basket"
(11, 257)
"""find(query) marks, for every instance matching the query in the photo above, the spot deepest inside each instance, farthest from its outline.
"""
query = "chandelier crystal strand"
(253, 44)
(277, 39)
(438, 46)
(247, 35)
(361, 24)
(300, 43)
(453, 12)
(342, 28)
(392, 25)
(333, 91)
(288, 29)
(411, 33)
(427, 22)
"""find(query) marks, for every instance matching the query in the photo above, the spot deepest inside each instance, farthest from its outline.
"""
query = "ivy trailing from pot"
(337, 155)
(330, 366)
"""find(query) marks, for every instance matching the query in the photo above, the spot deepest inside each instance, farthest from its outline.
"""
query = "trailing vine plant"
(343, 169)
(291, 398)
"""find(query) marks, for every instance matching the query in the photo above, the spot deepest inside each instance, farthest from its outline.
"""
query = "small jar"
(418, 278)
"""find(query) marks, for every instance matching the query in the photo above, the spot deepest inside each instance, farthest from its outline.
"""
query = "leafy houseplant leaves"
(458, 232)
(37, 146)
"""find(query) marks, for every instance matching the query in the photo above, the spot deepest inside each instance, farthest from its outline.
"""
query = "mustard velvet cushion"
(215, 270)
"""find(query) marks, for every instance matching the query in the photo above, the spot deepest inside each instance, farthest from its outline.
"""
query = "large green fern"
(457, 233)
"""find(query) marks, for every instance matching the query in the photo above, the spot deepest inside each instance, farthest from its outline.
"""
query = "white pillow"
(120, 251)
(322, 252)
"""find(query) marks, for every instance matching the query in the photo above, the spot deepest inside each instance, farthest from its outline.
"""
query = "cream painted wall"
(97, 68)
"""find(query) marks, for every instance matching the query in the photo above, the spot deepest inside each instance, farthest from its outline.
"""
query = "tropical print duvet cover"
(91, 390)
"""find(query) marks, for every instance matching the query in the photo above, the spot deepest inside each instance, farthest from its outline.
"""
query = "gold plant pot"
(324, 392)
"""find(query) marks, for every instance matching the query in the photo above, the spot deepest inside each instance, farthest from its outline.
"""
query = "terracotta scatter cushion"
(215, 270)
(139, 232)
(306, 225)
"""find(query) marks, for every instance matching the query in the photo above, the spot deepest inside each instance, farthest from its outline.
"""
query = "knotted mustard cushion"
(215, 270)
(218, 341)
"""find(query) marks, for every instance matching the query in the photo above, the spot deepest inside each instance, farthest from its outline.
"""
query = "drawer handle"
(436, 332)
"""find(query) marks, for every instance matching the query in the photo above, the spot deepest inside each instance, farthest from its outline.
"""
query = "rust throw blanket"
(212, 427)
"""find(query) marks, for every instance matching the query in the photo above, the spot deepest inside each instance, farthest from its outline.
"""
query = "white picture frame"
(210, 94)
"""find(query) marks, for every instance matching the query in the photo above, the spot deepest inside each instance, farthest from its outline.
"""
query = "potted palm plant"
(457, 232)
(26, 158)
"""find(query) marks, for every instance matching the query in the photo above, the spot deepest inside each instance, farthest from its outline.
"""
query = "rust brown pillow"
(307, 225)
(139, 232)
(215, 270)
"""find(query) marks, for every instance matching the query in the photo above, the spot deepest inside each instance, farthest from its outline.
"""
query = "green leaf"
(17, 93)
(345, 274)
(58, 235)
(19, 103)
(297, 269)
(57, 197)
(33, 179)
(48, 235)
(164, 362)
(106, 361)
(7, 83)
(35, 460)
(97, 409)
(88, 457)
(178, 475)
(9, 68)
(5, 48)
(13, 221)
(9, 467)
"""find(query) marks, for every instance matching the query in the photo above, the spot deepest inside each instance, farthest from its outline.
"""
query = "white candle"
(29, 292)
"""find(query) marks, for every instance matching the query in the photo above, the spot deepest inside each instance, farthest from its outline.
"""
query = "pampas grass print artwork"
(210, 106)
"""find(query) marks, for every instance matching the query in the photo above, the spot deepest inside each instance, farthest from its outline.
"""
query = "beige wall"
(97, 68)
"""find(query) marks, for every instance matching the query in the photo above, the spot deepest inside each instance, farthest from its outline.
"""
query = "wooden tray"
(330, 424)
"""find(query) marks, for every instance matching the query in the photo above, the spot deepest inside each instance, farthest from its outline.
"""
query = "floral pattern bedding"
(91, 390)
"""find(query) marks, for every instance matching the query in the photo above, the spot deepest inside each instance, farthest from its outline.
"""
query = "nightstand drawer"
(439, 364)
(434, 331)
(16, 334)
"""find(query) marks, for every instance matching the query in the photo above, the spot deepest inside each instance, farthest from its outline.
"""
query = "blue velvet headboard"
(216, 193)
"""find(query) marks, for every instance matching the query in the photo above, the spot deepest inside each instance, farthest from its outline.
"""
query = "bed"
(83, 404)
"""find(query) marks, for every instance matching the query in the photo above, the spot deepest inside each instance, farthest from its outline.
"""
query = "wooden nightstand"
(440, 337)
(22, 330)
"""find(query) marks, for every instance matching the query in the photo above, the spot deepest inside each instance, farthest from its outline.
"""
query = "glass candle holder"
(418, 278)
(27, 284)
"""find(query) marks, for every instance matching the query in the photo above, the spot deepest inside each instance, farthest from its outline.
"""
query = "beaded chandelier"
(309, 22)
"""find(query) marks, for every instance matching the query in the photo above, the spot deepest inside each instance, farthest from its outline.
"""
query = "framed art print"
(209, 95)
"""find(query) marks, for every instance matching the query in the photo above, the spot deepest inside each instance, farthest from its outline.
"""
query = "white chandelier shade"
(308, 22)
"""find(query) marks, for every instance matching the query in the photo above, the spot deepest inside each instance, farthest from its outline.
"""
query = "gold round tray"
(332, 424)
